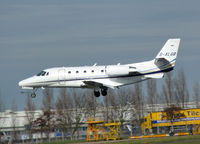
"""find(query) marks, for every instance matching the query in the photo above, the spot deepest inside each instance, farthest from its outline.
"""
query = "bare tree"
(47, 106)
(110, 106)
(196, 96)
(123, 97)
(172, 113)
(30, 114)
(1, 110)
(48, 101)
(106, 107)
(1, 103)
(64, 111)
(139, 100)
(14, 120)
(152, 93)
(45, 123)
(181, 90)
(71, 109)
(2, 114)
(79, 110)
(92, 104)
(168, 89)
(136, 109)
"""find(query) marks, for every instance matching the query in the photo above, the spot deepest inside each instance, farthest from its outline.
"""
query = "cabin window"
(92, 71)
(102, 70)
(84, 71)
(69, 72)
(76, 71)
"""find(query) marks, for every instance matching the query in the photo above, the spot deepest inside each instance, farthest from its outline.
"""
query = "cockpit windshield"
(42, 73)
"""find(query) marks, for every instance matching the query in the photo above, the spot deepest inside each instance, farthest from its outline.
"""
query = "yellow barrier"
(159, 135)
(182, 134)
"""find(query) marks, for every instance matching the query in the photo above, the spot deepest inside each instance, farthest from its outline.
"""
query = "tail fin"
(166, 58)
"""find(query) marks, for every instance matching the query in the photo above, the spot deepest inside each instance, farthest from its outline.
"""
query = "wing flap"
(100, 84)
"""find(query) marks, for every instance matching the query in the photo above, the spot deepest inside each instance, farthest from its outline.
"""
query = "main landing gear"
(33, 95)
(96, 93)
(103, 92)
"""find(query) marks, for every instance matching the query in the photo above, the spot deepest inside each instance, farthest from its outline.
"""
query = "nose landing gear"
(33, 95)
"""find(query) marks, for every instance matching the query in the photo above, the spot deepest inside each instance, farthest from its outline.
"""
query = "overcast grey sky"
(39, 34)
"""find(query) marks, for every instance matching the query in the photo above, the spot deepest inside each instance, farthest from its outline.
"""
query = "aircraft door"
(62, 76)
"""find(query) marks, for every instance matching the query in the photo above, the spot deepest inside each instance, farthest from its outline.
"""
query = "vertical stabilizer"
(167, 55)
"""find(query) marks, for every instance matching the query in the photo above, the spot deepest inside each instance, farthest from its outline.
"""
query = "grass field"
(166, 140)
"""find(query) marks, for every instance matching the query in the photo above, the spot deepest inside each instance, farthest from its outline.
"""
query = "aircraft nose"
(21, 83)
(26, 82)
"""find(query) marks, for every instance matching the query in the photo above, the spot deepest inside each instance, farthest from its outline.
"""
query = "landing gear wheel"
(171, 133)
(33, 95)
(104, 92)
(96, 93)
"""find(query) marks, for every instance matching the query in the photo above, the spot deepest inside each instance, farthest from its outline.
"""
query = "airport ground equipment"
(113, 131)
(196, 129)
(99, 130)
(95, 130)
(156, 124)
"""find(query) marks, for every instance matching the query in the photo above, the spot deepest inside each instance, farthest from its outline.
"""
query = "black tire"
(104, 92)
(171, 133)
(33, 95)
(96, 93)
(147, 131)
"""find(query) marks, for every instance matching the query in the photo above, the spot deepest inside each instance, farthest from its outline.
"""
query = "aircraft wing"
(101, 83)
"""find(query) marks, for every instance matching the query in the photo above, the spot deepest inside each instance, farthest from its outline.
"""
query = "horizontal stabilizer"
(156, 75)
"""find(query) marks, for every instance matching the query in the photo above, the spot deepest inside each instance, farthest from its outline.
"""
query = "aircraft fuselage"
(104, 77)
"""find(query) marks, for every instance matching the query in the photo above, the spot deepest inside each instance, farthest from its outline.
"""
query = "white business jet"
(100, 78)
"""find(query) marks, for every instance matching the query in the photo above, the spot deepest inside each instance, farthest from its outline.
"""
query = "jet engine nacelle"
(117, 70)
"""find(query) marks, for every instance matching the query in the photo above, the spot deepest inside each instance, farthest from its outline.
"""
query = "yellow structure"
(196, 129)
(154, 122)
(113, 130)
(98, 130)
(95, 130)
